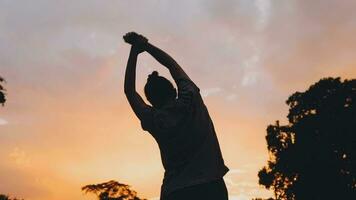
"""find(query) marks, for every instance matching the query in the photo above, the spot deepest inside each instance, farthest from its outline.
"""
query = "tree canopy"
(313, 157)
(6, 197)
(2, 91)
(112, 190)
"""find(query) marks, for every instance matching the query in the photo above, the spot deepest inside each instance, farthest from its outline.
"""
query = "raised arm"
(135, 100)
(162, 57)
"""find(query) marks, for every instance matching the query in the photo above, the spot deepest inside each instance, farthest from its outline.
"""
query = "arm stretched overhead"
(135, 100)
(140, 44)
(166, 60)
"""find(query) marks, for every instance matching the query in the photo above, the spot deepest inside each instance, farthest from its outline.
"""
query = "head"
(159, 90)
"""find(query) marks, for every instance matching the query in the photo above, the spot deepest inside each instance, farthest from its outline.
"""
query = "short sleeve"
(147, 119)
(188, 93)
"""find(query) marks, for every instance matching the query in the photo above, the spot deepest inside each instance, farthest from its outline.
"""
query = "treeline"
(2, 91)
(313, 156)
(6, 197)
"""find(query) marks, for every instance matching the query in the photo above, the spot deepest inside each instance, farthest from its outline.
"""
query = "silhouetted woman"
(181, 125)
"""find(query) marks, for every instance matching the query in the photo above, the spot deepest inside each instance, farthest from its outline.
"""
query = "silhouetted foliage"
(313, 157)
(6, 197)
(112, 190)
(2, 91)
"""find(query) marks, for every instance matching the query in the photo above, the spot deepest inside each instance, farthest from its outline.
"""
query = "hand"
(135, 39)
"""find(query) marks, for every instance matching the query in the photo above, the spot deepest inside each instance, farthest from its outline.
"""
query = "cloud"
(249, 79)
(310, 43)
(264, 8)
(65, 61)
(20, 157)
(210, 91)
(3, 122)
(231, 97)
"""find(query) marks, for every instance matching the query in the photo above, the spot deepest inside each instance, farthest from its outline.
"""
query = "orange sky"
(67, 122)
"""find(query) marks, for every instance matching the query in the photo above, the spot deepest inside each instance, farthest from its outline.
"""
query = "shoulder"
(188, 94)
(185, 84)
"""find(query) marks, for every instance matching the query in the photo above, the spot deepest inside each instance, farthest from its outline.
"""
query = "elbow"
(128, 91)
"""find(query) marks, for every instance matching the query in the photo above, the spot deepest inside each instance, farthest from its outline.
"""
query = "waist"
(190, 176)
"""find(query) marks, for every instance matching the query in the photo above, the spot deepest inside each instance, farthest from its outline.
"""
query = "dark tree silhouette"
(2, 101)
(112, 190)
(2, 91)
(6, 197)
(313, 157)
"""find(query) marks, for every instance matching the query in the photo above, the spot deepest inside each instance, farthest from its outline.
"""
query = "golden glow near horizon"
(67, 123)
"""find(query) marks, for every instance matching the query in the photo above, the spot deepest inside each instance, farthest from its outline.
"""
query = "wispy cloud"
(231, 97)
(264, 11)
(20, 157)
(65, 62)
(3, 122)
(210, 91)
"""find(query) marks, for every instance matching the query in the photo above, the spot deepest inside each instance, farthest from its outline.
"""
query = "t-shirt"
(185, 133)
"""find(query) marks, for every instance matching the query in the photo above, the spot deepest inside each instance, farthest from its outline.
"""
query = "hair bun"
(153, 75)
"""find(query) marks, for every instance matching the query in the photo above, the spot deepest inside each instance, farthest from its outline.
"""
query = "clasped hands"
(137, 41)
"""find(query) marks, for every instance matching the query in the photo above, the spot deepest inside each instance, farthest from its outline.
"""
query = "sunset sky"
(67, 123)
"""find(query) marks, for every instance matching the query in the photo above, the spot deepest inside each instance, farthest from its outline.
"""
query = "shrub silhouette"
(2, 91)
(6, 197)
(313, 157)
(112, 190)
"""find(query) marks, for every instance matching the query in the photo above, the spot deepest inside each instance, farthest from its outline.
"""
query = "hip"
(213, 190)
